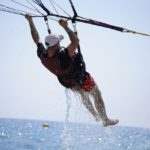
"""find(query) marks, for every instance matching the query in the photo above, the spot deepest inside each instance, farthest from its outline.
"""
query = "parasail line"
(37, 10)
(65, 12)
(98, 23)
(73, 8)
(11, 12)
(75, 18)
(23, 5)
(40, 4)
(52, 4)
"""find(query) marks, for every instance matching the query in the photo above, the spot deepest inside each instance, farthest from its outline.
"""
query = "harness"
(77, 71)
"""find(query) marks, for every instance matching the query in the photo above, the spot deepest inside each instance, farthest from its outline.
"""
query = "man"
(68, 65)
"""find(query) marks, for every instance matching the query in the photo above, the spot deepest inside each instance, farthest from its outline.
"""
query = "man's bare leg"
(87, 103)
(100, 107)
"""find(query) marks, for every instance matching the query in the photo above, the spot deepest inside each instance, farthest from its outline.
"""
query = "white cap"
(51, 40)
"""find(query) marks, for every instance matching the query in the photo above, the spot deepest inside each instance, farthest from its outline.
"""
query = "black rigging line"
(73, 8)
(75, 28)
(75, 18)
(40, 4)
(11, 12)
(47, 24)
(23, 5)
(106, 25)
(96, 23)
(36, 9)
(52, 4)
(10, 9)
(65, 12)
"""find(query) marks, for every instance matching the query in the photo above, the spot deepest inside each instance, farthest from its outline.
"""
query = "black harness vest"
(77, 72)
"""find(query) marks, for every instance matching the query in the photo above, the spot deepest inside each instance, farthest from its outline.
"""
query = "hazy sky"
(119, 62)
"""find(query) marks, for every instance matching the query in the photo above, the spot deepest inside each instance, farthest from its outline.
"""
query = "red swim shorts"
(88, 83)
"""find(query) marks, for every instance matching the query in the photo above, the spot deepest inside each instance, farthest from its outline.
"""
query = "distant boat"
(45, 125)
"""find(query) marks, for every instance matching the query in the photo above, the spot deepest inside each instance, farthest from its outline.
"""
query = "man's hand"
(73, 38)
(63, 23)
(28, 17)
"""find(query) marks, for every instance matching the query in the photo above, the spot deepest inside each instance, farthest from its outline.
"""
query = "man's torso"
(70, 71)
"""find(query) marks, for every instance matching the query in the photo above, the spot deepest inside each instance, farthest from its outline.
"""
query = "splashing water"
(66, 134)
(68, 105)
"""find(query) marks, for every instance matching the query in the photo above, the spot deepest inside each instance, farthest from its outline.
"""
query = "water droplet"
(100, 140)
(19, 134)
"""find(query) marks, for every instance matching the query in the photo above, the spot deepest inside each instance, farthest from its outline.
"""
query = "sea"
(19, 134)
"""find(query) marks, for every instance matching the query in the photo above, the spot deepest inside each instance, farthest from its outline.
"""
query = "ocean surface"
(40, 135)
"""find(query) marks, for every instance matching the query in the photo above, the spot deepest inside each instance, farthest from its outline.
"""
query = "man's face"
(52, 50)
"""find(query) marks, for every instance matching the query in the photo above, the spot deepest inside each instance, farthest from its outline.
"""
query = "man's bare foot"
(110, 122)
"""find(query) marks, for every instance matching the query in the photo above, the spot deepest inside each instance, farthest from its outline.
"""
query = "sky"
(119, 63)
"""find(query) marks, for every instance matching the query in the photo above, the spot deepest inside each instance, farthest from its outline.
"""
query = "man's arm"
(73, 38)
(34, 32)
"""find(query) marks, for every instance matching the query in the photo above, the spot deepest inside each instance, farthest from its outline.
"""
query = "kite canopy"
(50, 8)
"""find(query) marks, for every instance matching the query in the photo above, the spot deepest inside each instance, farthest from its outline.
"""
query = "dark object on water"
(45, 125)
